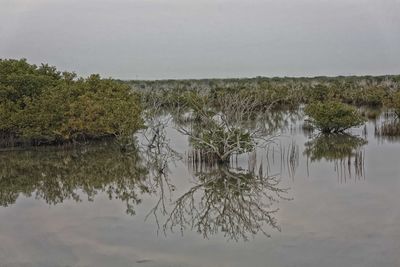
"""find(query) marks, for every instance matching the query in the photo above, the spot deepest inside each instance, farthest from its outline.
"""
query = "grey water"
(304, 200)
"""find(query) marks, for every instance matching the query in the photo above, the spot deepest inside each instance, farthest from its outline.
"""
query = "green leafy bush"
(321, 92)
(42, 105)
(333, 116)
(396, 103)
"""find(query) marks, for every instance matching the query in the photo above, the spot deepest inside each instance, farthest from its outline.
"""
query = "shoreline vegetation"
(40, 105)
(225, 117)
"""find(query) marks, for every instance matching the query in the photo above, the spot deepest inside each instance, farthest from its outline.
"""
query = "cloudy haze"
(155, 39)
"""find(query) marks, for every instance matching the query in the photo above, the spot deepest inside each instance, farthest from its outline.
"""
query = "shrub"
(41, 105)
(396, 103)
(320, 92)
(333, 116)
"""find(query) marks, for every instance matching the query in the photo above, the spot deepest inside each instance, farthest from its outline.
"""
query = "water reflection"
(344, 150)
(159, 155)
(238, 203)
(223, 203)
(57, 175)
(235, 202)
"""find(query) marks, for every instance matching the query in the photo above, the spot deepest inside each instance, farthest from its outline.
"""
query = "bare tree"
(223, 129)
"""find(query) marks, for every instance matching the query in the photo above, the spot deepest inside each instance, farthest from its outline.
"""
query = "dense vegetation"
(39, 104)
(333, 104)
(281, 92)
(42, 105)
(394, 102)
(333, 116)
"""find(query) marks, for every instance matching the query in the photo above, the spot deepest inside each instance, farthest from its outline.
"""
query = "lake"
(302, 200)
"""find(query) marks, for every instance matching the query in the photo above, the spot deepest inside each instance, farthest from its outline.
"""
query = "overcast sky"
(156, 39)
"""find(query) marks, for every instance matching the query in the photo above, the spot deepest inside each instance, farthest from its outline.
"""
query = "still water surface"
(304, 201)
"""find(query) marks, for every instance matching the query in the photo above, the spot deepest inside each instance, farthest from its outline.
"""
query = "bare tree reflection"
(157, 154)
(159, 181)
(238, 203)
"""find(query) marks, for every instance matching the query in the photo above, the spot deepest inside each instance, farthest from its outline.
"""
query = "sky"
(172, 39)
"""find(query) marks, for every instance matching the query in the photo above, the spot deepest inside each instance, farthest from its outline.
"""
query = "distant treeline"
(285, 91)
(332, 104)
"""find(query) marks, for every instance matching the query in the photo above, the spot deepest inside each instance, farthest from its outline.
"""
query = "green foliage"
(373, 96)
(321, 92)
(25, 80)
(333, 116)
(396, 103)
(41, 105)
